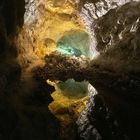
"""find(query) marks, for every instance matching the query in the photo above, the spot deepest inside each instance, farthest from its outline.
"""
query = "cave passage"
(74, 43)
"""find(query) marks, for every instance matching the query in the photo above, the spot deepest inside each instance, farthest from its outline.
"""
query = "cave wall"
(117, 35)
(23, 107)
(115, 74)
(11, 16)
(12, 13)
(115, 112)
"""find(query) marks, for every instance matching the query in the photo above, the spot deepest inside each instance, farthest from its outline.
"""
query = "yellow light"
(52, 83)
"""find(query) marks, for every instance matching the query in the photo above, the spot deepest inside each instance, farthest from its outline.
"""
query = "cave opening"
(74, 43)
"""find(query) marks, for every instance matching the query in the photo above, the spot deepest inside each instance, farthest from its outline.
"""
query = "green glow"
(73, 89)
(74, 43)
(68, 50)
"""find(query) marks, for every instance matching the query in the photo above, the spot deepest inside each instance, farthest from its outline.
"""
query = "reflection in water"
(73, 89)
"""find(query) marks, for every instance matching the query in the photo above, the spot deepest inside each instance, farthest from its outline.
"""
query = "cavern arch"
(75, 43)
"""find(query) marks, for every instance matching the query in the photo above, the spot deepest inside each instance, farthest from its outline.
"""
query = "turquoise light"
(74, 89)
(74, 43)
(68, 50)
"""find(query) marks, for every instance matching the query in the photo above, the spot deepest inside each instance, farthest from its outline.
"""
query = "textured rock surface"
(97, 121)
(24, 110)
(9, 68)
(115, 75)
(91, 10)
(117, 35)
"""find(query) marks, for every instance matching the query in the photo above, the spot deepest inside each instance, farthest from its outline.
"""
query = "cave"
(69, 69)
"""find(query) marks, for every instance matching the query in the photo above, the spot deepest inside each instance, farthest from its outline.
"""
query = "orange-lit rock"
(44, 25)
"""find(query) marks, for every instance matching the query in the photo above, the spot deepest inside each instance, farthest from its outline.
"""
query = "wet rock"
(118, 44)
(98, 122)
(119, 60)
